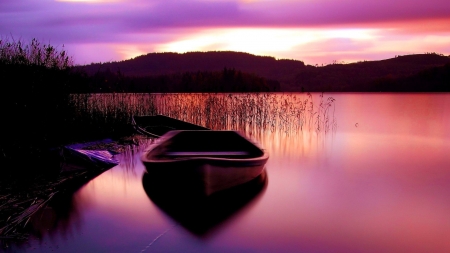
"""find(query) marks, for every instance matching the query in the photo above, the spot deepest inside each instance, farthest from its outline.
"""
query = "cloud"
(343, 12)
(144, 16)
(158, 24)
(90, 1)
(20, 7)
(182, 14)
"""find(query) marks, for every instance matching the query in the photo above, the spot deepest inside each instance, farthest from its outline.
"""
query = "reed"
(286, 112)
(18, 52)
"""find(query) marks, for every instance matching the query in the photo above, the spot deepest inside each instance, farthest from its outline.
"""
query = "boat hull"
(205, 176)
(204, 171)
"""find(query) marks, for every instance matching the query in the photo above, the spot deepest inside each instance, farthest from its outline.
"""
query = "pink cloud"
(157, 22)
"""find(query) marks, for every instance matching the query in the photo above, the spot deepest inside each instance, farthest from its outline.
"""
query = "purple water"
(379, 183)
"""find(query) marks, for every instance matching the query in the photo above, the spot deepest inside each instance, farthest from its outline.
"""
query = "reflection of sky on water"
(381, 186)
(369, 194)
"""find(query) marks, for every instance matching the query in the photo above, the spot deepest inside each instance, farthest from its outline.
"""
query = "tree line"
(227, 80)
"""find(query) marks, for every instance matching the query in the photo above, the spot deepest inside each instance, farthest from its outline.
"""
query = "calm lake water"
(372, 174)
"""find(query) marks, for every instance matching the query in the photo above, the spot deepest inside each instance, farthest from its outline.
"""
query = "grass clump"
(18, 52)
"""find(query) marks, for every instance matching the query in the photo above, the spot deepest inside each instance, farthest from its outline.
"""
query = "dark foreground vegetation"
(37, 118)
(34, 101)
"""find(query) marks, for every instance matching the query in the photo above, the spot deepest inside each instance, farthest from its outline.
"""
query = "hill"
(365, 76)
(436, 79)
(292, 75)
(170, 63)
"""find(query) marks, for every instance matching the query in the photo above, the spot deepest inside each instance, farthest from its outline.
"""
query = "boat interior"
(201, 143)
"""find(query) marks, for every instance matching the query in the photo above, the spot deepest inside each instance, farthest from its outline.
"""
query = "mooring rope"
(159, 236)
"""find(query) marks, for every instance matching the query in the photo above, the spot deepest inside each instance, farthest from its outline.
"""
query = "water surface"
(375, 179)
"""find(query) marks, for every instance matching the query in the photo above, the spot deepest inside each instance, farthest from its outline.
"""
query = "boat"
(88, 155)
(205, 161)
(158, 125)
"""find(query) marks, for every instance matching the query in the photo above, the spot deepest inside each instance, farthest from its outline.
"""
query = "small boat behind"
(205, 161)
(89, 155)
(158, 125)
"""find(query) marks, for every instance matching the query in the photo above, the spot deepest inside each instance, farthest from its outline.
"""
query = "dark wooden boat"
(205, 161)
(158, 125)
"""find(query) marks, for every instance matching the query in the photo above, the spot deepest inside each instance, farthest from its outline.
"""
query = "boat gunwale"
(183, 159)
(139, 128)
(264, 157)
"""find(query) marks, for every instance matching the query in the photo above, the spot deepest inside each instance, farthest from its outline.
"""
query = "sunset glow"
(129, 51)
(316, 32)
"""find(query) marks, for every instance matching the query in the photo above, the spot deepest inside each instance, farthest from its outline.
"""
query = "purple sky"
(314, 31)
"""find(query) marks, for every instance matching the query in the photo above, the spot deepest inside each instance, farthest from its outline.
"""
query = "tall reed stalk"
(286, 112)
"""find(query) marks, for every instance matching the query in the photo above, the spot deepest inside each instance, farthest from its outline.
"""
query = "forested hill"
(292, 75)
(369, 75)
(170, 63)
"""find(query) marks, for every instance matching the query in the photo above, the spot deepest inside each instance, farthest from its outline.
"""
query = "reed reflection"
(61, 217)
(129, 155)
(196, 212)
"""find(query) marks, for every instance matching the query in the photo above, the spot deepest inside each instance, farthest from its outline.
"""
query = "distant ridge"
(293, 75)
(361, 76)
(169, 63)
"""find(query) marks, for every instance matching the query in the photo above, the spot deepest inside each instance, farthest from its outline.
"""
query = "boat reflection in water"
(191, 208)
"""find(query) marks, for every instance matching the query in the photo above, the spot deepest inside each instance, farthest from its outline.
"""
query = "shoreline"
(23, 197)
